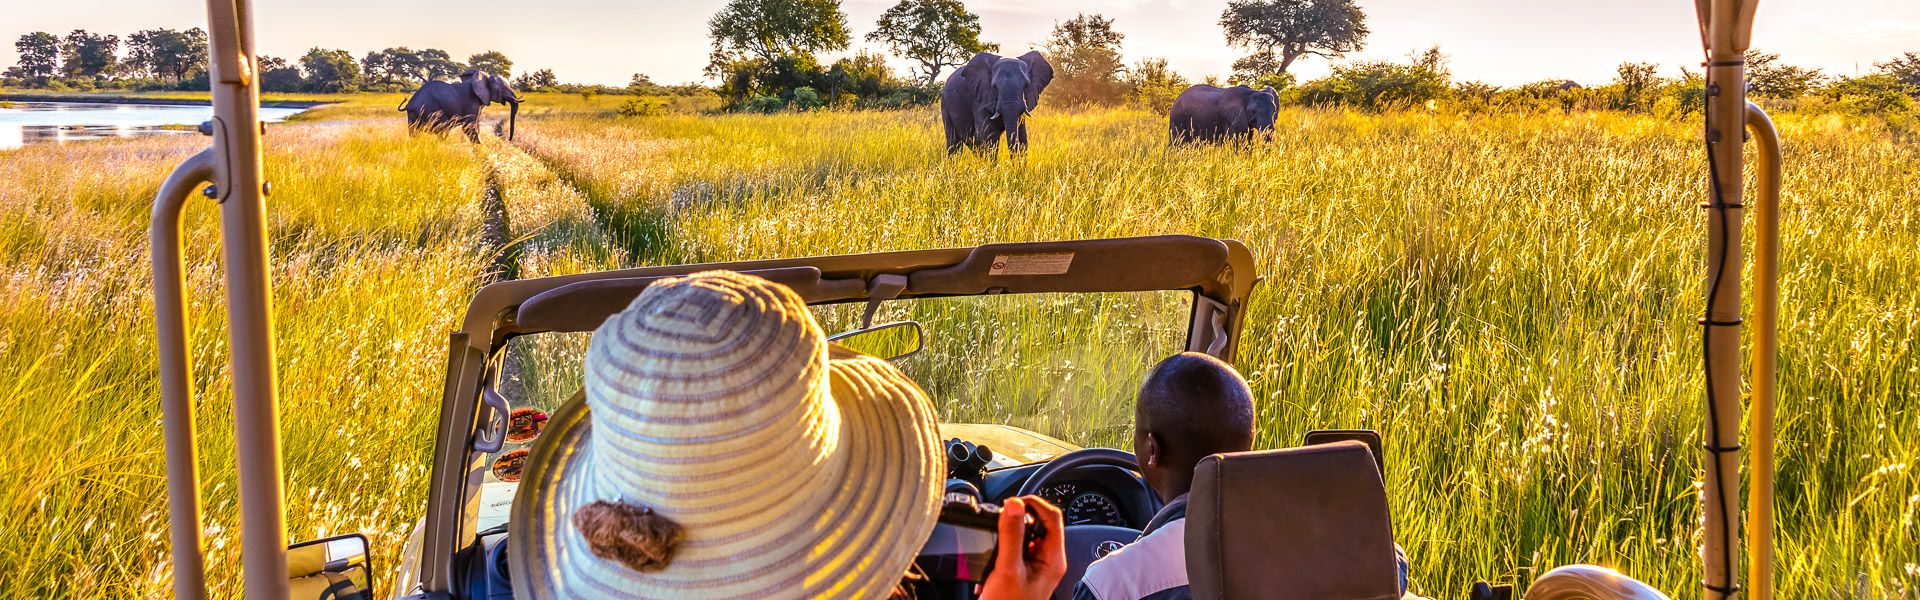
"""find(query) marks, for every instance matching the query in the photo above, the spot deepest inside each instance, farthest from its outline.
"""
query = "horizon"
(1502, 42)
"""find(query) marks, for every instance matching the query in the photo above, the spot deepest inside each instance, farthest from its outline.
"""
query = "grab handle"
(176, 373)
(1766, 308)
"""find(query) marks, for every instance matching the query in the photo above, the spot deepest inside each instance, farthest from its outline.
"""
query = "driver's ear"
(1150, 451)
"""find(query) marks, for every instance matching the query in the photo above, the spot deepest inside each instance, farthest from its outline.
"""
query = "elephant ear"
(1039, 74)
(501, 91)
(480, 87)
(1269, 91)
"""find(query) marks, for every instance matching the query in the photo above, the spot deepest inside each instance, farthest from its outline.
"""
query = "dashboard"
(1087, 494)
(1095, 495)
(1085, 503)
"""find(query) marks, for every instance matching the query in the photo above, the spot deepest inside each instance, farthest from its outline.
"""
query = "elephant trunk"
(513, 114)
(1013, 115)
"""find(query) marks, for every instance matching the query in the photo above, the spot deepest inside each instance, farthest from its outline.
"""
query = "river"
(23, 123)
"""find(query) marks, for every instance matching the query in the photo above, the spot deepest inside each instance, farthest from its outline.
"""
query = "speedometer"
(1093, 508)
(1059, 493)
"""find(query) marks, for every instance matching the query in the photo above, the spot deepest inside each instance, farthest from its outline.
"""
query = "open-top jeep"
(1332, 506)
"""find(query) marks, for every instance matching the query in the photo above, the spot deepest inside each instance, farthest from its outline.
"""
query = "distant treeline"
(165, 59)
(765, 58)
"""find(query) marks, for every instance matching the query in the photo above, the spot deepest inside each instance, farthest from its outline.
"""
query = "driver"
(724, 449)
(1191, 406)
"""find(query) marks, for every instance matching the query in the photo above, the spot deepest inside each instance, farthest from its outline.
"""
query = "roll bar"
(233, 166)
(1726, 28)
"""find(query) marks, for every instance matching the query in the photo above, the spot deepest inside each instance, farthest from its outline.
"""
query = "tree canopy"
(933, 33)
(1153, 85)
(89, 55)
(330, 70)
(1769, 77)
(1279, 32)
(765, 30)
(166, 53)
(1904, 68)
(39, 54)
(493, 62)
(534, 81)
(1085, 53)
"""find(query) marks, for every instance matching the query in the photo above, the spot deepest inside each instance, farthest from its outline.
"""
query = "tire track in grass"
(539, 225)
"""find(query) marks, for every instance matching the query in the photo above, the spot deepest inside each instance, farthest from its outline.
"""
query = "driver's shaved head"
(1192, 405)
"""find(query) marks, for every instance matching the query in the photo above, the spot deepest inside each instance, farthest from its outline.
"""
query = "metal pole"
(241, 193)
(176, 375)
(1766, 303)
(1727, 27)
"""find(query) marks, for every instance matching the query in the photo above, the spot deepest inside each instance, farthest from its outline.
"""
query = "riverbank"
(184, 99)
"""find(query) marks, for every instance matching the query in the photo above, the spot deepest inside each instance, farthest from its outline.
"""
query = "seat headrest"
(1308, 522)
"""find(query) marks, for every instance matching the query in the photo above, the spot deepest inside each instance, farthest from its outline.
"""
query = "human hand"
(1023, 571)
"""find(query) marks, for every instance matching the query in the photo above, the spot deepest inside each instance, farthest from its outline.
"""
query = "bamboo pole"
(1727, 26)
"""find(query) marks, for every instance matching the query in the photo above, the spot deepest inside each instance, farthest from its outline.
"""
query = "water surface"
(23, 123)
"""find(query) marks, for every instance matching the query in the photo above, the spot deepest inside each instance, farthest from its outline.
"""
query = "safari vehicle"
(1333, 502)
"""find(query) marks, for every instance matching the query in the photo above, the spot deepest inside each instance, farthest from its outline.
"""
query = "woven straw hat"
(792, 467)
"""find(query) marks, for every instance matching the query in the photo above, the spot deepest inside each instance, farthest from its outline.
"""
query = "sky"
(1503, 42)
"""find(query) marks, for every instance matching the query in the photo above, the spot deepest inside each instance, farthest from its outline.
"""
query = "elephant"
(439, 105)
(1211, 114)
(991, 95)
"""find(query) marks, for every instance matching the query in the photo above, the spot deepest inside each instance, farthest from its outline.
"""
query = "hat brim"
(871, 526)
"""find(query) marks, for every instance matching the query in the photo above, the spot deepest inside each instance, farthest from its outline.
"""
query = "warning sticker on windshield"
(1044, 263)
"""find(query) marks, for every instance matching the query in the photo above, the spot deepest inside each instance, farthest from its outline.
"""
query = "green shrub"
(1378, 85)
(806, 98)
(1876, 94)
(764, 104)
(643, 106)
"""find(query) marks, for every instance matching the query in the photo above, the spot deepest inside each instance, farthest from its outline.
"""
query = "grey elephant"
(991, 95)
(439, 105)
(1204, 113)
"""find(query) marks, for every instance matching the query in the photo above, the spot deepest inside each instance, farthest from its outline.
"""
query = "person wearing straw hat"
(724, 449)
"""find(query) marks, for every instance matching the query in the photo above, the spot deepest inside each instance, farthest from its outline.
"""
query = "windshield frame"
(1220, 273)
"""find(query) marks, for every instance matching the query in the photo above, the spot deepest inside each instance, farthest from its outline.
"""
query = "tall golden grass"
(375, 250)
(1508, 298)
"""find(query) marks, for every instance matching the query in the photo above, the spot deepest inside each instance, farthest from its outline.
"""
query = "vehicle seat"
(1307, 522)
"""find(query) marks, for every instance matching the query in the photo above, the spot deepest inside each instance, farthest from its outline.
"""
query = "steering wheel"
(1087, 543)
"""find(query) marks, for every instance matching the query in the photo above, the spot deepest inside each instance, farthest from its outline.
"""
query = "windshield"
(1064, 365)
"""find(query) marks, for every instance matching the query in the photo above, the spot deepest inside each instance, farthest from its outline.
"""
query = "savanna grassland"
(1508, 298)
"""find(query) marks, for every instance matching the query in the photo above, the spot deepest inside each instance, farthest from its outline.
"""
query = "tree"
(934, 33)
(39, 54)
(1639, 84)
(643, 85)
(864, 75)
(178, 55)
(1279, 32)
(492, 62)
(1085, 52)
(139, 61)
(765, 30)
(536, 80)
(384, 66)
(1905, 68)
(278, 76)
(1153, 85)
(166, 53)
(89, 55)
(330, 71)
(436, 64)
(1767, 76)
